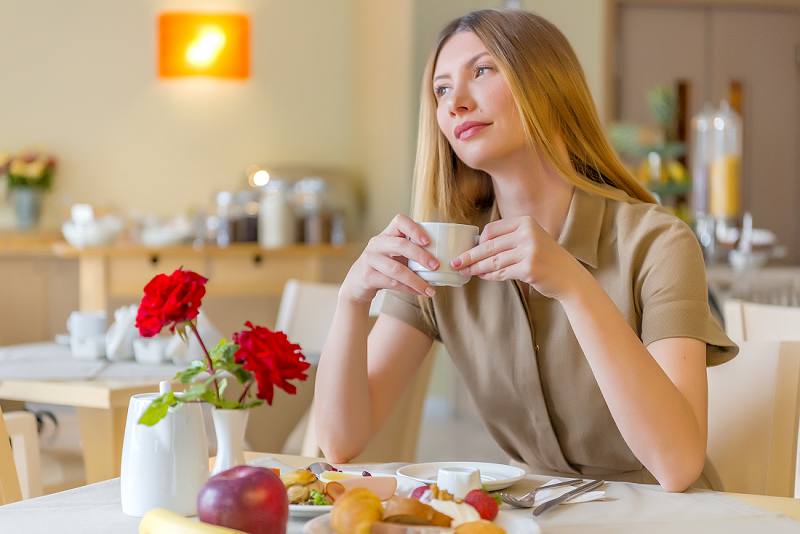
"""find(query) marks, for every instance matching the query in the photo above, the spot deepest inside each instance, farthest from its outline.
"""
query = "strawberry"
(483, 503)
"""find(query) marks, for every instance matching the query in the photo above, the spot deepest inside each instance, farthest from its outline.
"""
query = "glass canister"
(245, 225)
(315, 216)
(276, 217)
(700, 156)
(725, 164)
(225, 217)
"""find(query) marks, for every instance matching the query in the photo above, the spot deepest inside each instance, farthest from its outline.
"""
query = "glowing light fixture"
(203, 44)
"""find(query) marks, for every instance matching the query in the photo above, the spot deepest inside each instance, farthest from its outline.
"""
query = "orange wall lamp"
(215, 45)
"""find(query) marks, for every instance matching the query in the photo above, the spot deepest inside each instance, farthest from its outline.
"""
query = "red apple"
(247, 498)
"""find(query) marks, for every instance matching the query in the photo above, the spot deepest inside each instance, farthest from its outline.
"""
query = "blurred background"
(116, 164)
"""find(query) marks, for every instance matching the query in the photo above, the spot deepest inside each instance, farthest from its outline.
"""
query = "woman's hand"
(384, 263)
(520, 249)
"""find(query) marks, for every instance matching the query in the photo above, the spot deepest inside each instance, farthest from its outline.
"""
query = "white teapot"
(164, 465)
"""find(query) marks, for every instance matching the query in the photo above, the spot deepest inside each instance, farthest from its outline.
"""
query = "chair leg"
(25, 447)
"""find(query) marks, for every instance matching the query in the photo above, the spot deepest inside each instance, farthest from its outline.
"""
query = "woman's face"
(475, 108)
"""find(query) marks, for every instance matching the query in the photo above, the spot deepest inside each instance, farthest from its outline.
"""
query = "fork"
(526, 501)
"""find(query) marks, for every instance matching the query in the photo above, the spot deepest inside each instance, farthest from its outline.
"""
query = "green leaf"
(187, 375)
(158, 409)
(252, 404)
(223, 385)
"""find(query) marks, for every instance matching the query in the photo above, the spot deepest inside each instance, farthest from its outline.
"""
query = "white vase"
(230, 426)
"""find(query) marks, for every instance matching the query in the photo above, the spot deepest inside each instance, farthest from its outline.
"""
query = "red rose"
(170, 300)
(271, 358)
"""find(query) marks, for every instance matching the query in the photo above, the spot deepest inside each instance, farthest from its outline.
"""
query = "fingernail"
(433, 264)
(430, 292)
(424, 240)
(456, 263)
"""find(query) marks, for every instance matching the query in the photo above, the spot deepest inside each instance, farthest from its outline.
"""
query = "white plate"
(493, 476)
(309, 510)
(511, 521)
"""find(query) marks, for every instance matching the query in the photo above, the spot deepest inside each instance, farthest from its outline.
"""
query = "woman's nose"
(461, 101)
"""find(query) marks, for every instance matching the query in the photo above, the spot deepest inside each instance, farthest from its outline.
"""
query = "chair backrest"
(9, 483)
(305, 313)
(753, 414)
(748, 321)
(397, 440)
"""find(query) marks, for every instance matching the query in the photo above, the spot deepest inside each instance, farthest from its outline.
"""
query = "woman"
(585, 331)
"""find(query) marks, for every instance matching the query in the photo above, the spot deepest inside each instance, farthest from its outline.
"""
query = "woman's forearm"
(342, 386)
(655, 418)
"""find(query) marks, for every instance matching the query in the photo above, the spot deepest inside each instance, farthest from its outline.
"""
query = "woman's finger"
(492, 263)
(378, 280)
(497, 228)
(405, 226)
(483, 251)
(397, 271)
(400, 246)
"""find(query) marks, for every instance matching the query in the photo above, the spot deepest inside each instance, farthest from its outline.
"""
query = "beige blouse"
(519, 356)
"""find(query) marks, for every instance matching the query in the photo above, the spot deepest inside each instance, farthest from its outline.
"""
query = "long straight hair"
(552, 99)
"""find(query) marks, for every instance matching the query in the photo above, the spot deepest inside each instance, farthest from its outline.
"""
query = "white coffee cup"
(86, 324)
(458, 481)
(448, 240)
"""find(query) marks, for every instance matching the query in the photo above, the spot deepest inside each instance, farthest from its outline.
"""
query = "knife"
(589, 486)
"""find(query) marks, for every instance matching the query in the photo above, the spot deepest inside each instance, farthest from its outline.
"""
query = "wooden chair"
(397, 440)
(9, 483)
(749, 323)
(21, 427)
(753, 414)
(304, 314)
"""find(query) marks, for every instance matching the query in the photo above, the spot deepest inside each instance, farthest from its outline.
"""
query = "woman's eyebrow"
(472, 60)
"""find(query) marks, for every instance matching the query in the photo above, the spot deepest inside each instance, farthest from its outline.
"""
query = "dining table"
(98, 389)
(625, 508)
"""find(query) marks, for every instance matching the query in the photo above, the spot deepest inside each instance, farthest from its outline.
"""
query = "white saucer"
(493, 476)
(439, 278)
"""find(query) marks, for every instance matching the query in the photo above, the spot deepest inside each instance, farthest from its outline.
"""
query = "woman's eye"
(440, 91)
(481, 70)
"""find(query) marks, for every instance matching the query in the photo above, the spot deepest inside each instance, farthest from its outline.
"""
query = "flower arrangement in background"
(28, 169)
(257, 356)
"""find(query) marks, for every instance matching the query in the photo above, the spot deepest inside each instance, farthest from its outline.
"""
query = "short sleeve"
(407, 308)
(674, 294)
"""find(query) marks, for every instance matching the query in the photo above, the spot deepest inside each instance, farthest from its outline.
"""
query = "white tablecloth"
(50, 361)
(628, 508)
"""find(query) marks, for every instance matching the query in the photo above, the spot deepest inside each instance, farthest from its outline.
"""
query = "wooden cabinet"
(41, 282)
(710, 45)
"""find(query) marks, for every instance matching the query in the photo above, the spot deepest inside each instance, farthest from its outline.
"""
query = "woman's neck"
(526, 185)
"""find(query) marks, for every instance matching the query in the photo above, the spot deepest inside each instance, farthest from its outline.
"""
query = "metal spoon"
(320, 467)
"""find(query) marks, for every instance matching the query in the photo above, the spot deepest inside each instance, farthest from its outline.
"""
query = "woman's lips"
(470, 130)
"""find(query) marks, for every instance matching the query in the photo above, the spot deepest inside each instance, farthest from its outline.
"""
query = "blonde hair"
(552, 99)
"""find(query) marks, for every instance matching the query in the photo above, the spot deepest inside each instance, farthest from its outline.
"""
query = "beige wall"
(334, 84)
(79, 78)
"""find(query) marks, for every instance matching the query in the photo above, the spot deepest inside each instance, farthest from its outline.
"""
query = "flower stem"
(208, 356)
(244, 393)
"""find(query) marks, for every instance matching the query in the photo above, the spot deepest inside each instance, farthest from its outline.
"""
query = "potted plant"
(27, 175)
(257, 358)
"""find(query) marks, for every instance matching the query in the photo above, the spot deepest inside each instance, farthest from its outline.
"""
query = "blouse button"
(537, 348)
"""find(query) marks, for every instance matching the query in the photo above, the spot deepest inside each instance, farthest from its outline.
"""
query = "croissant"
(356, 511)
(413, 512)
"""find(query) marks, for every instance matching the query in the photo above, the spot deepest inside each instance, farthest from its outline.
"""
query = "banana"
(161, 521)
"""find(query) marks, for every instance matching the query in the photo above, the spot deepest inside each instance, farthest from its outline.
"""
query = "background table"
(629, 508)
(99, 390)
